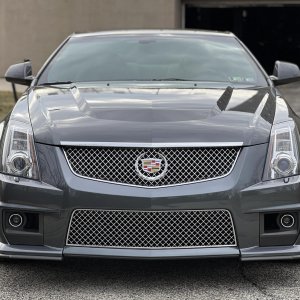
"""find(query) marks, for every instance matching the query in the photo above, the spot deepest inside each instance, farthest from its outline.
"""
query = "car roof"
(182, 32)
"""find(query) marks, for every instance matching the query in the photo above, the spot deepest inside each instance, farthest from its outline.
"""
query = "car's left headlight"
(283, 154)
(19, 156)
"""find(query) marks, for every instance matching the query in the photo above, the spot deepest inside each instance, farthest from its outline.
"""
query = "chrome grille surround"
(151, 229)
(119, 164)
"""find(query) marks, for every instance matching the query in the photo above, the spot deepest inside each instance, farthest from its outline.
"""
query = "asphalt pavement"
(125, 279)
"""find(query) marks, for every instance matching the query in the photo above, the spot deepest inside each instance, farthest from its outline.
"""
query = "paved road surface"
(114, 279)
(108, 279)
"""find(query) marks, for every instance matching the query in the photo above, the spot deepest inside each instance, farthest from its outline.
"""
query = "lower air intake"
(151, 229)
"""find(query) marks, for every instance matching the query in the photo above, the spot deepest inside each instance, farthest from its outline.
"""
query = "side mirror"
(285, 72)
(20, 73)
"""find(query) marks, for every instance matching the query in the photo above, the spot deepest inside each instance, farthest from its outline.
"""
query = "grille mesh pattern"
(151, 229)
(184, 165)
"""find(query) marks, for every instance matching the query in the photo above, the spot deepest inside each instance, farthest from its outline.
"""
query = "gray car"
(150, 144)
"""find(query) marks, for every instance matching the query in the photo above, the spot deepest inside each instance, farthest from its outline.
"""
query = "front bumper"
(48, 253)
(61, 192)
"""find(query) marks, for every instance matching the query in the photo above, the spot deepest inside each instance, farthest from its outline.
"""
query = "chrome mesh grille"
(181, 165)
(151, 229)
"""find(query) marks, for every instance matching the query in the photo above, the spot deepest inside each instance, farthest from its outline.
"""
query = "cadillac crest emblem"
(151, 167)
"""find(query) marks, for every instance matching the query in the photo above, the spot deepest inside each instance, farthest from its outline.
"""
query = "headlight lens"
(19, 157)
(283, 154)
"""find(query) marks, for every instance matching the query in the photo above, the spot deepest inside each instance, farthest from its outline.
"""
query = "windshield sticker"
(241, 79)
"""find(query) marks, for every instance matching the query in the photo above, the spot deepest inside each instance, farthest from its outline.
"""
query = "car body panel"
(236, 192)
(151, 115)
(141, 113)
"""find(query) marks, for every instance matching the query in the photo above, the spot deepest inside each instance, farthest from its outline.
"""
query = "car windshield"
(158, 57)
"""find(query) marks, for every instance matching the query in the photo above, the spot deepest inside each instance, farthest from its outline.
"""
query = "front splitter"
(51, 253)
(30, 252)
(168, 253)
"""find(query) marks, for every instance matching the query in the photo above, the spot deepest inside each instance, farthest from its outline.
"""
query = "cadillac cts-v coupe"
(150, 144)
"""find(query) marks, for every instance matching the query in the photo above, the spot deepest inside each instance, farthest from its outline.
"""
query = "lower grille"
(151, 229)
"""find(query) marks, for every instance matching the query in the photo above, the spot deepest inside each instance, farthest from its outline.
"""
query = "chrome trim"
(135, 210)
(151, 145)
(12, 224)
(152, 187)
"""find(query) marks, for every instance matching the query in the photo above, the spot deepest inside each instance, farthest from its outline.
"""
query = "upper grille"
(151, 229)
(178, 165)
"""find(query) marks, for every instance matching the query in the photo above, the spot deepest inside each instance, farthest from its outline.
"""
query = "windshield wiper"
(170, 79)
(56, 83)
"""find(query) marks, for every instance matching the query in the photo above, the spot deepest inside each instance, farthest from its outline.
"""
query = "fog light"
(15, 220)
(287, 221)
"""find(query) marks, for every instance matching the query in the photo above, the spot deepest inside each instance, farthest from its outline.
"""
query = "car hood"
(151, 115)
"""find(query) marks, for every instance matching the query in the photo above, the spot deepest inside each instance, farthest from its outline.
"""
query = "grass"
(6, 103)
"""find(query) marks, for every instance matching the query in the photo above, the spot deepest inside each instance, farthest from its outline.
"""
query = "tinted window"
(153, 57)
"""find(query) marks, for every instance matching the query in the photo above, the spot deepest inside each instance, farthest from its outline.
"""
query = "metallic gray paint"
(60, 192)
(160, 113)
(56, 205)
(153, 115)
(235, 192)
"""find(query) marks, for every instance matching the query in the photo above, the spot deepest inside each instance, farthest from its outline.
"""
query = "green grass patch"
(7, 102)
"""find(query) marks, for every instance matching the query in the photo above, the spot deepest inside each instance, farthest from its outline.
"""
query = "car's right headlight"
(19, 156)
(283, 154)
